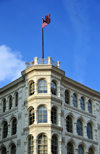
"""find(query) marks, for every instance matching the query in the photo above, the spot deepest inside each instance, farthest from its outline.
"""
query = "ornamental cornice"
(7, 139)
(81, 138)
(81, 111)
(9, 112)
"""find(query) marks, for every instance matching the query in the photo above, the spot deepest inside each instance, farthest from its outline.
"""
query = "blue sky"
(72, 37)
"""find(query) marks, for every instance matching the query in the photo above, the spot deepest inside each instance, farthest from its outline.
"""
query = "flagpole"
(42, 41)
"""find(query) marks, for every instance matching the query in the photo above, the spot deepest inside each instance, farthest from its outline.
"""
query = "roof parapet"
(45, 61)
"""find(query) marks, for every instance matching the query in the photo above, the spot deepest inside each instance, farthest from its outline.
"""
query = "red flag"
(46, 21)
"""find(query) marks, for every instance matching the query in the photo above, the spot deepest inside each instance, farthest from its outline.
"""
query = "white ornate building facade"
(45, 112)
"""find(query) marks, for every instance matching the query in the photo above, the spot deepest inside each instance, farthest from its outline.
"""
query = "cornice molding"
(7, 139)
(79, 110)
(81, 138)
(10, 111)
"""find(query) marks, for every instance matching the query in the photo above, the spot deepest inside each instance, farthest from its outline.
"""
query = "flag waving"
(46, 21)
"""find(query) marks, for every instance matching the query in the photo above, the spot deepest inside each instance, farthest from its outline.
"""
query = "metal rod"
(42, 41)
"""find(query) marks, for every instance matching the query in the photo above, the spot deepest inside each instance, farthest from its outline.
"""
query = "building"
(45, 112)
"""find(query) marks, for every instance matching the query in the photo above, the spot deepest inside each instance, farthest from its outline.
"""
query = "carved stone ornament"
(62, 113)
(63, 140)
(18, 143)
(19, 116)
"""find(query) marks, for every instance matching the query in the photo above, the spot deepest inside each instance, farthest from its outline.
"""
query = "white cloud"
(11, 64)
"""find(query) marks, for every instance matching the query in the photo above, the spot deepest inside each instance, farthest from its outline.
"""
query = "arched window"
(31, 116)
(89, 131)
(54, 115)
(4, 105)
(14, 126)
(13, 149)
(31, 88)
(53, 88)
(89, 106)
(16, 99)
(74, 100)
(42, 86)
(82, 105)
(54, 145)
(3, 150)
(30, 144)
(42, 114)
(42, 144)
(80, 150)
(90, 151)
(5, 129)
(69, 125)
(79, 128)
(70, 149)
(66, 97)
(10, 102)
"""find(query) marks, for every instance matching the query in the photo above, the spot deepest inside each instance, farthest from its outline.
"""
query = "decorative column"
(49, 87)
(94, 108)
(7, 105)
(58, 64)
(27, 65)
(25, 147)
(59, 89)
(35, 146)
(78, 102)
(75, 125)
(35, 60)
(60, 149)
(49, 116)
(49, 146)
(71, 98)
(36, 87)
(9, 130)
(86, 105)
(49, 60)
(59, 119)
(13, 102)
(26, 119)
(85, 131)
(35, 111)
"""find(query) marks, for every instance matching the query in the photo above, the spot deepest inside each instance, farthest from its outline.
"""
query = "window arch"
(70, 148)
(3, 150)
(82, 105)
(13, 149)
(42, 86)
(30, 144)
(80, 150)
(10, 102)
(90, 151)
(66, 97)
(89, 131)
(74, 100)
(16, 99)
(31, 116)
(79, 128)
(69, 125)
(14, 126)
(54, 115)
(42, 144)
(42, 114)
(31, 88)
(54, 144)
(53, 88)
(5, 129)
(4, 105)
(89, 106)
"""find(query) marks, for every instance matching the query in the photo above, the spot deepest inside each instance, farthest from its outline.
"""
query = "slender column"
(25, 147)
(35, 122)
(13, 102)
(35, 146)
(75, 130)
(49, 60)
(71, 100)
(60, 149)
(9, 130)
(35, 60)
(59, 119)
(7, 105)
(26, 119)
(49, 146)
(85, 131)
(78, 102)
(76, 151)
(49, 116)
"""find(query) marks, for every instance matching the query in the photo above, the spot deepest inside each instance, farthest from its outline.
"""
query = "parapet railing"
(45, 61)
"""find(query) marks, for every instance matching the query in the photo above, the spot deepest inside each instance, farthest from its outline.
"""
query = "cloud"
(11, 64)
